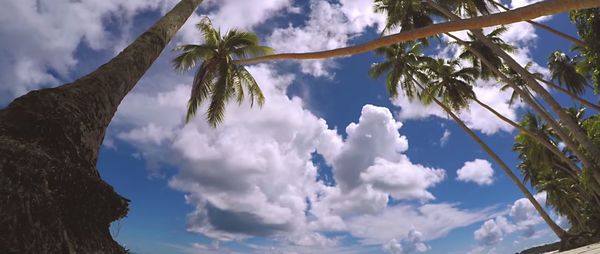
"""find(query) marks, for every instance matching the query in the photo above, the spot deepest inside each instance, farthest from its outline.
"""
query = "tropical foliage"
(218, 78)
(557, 147)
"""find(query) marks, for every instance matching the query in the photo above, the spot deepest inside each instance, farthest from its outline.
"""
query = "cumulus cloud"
(329, 26)
(39, 47)
(445, 137)
(431, 220)
(478, 171)
(521, 218)
(411, 244)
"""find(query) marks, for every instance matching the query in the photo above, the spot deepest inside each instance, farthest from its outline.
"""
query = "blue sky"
(329, 165)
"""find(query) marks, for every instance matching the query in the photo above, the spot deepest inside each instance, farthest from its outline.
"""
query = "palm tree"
(567, 195)
(532, 11)
(218, 77)
(563, 70)
(53, 199)
(545, 27)
(485, 71)
(451, 83)
(577, 132)
(470, 8)
(452, 86)
(406, 15)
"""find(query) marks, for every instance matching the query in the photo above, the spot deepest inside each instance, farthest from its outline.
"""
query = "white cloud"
(246, 14)
(39, 46)
(478, 171)
(411, 244)
(522, 218)
(329, 26)
(403, 180)
(492, 231)
(475, 116)
(445, 137)
(392, 247)
(431, 220)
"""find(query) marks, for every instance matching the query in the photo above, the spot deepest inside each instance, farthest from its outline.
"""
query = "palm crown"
(403, 64)
(484, 71)
(564, 70)
(450, 82)
(219, 77)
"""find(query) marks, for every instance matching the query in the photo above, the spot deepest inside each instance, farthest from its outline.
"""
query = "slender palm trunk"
(572, 171)
(52, 199)
(573, 96)
(574, 128)
(565, 36)
(555, 228)
(532, 11)
(532, 103)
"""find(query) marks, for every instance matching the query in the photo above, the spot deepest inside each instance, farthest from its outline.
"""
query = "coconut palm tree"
(572, 39)
(485, 71)
(451, 83)
(468, 8)
(575, 131)
(563, 70)
(441, 79)
(567, 195)
(532, 11)
(406, 15)
(218, 77)
(49, 144)
(452, 73)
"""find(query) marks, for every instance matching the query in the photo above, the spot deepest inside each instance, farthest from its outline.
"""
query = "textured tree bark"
(52, 199)
(532, 11)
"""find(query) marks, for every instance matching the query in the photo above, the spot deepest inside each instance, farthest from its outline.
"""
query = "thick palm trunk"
(565, 36)
(52, 199)
(555, 228)
(532, 11)
(573, 96)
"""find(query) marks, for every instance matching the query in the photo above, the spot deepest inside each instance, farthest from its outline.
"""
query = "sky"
(329, 165)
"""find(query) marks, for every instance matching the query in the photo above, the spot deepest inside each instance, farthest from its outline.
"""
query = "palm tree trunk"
(572, 95)
(531, 102)
(572, 171)
(578, 132)
(52, 199)
(572, 39)
(575, 129)
(560, 233)
(532, 11)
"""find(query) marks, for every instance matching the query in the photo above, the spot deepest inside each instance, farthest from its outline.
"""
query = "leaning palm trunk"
(575, 129)
(573, 96)
(529, 12)
(530, 101)
(578, 133)
(52, 199)
(555, 228)
(565, 36)
(572, 171)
